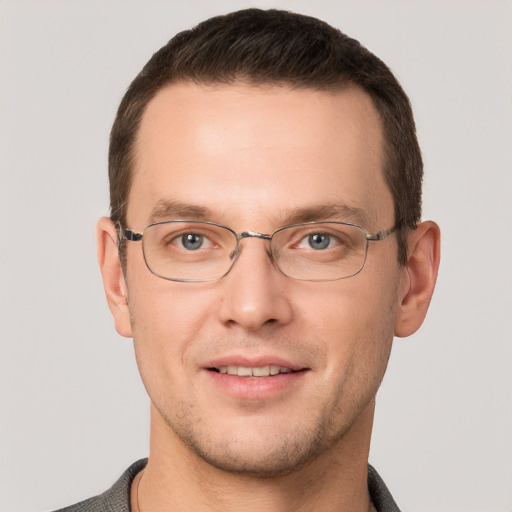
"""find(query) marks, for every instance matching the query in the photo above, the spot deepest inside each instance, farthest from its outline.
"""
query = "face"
(258, 158)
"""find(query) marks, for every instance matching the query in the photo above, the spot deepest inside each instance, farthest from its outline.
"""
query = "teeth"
(258, 371)
(242, 372)
(263, 371)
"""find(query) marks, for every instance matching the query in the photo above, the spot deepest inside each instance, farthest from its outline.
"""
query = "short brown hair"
(257, 46)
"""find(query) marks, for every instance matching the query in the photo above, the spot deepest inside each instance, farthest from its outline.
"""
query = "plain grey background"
(74, 414)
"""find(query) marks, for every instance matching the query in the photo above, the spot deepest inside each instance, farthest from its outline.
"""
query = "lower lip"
(255, 388)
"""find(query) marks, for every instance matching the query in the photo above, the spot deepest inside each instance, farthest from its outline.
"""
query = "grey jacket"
(117, 498)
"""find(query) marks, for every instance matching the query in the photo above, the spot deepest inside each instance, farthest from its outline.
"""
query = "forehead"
(258, 151)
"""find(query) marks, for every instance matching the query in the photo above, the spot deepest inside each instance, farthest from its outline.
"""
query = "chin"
(279, 460)
(259, 453)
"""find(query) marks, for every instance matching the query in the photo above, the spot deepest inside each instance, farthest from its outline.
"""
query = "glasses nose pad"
(233, 255)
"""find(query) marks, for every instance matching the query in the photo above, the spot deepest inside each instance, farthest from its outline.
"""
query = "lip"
(254, 388)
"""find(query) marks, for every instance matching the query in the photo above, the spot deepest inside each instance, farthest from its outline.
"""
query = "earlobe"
(420, 279)
(112, 273)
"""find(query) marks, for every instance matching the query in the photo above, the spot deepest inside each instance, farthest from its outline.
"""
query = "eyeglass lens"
(197, 251)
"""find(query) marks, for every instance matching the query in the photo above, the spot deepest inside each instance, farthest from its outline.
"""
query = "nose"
(254, 291)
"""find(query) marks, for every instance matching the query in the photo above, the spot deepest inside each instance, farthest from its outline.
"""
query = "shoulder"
(116, 499)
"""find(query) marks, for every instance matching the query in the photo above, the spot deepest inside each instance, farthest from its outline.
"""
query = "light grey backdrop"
(73, 413)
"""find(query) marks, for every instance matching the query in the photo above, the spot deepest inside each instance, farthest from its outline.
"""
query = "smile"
(256, 371)
(254, 381)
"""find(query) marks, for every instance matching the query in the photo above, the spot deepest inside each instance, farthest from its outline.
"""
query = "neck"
(177, 479)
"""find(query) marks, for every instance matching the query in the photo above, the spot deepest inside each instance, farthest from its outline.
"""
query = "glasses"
(196, 251)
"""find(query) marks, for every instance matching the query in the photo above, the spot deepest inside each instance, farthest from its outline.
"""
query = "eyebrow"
(325, 212)
(167, 210)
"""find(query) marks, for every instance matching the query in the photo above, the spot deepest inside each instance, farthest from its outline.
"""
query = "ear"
(113, 277)
(420, 275)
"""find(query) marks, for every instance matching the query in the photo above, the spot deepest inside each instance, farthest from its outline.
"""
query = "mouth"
(255, 371)
(254, 380)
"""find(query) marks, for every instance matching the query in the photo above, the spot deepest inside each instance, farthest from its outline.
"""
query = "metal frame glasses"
(198, 251)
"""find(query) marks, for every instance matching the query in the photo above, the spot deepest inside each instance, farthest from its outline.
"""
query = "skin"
(253, 156)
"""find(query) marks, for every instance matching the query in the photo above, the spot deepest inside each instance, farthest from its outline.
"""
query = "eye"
(192, 241)
(182, 239)
(318, 241)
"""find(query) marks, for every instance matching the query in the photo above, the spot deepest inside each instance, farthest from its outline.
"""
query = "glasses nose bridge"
(253, 234)
(249, 234)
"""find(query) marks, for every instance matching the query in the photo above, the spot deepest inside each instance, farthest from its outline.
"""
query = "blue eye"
(319, 241)
(192, 241)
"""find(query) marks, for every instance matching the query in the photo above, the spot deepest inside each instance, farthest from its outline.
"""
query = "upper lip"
(253, 362)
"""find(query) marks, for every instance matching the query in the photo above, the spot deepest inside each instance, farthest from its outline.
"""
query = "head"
(257, 120)
(275, 48)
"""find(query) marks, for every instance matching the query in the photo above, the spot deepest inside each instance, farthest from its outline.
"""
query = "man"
(264, 247)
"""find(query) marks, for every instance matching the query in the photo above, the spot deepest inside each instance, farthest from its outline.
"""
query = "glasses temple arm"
(381, 234)
(130, 235)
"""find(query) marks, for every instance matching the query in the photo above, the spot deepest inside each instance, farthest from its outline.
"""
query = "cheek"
(355, 324)
(165, 322)
(165, 315)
